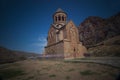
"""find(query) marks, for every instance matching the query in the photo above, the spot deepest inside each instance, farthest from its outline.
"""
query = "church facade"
(63, 39)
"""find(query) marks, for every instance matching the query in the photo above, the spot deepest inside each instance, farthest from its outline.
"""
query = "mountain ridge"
(8, 56)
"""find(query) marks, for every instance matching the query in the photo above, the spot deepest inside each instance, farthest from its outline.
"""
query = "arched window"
(74, 49)
(62, 18)
(73, 35)
(59, 18)
(55, 18)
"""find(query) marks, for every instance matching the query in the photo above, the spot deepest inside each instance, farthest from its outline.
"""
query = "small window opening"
(62, 18)
(59, 18)
(55, 18)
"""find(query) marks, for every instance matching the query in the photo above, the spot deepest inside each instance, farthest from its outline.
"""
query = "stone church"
(63, 39)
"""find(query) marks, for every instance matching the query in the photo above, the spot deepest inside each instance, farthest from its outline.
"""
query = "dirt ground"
(56, 70)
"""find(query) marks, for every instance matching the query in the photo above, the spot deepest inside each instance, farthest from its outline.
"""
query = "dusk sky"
(24, 24)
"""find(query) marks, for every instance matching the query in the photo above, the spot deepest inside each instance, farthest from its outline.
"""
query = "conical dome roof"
(59, 10)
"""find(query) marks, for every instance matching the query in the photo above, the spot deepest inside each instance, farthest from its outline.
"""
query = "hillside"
(96, 29)
(7, 55)
(101, 36)
(110, 47)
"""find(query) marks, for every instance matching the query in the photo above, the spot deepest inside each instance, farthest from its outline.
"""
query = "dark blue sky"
(25, 23)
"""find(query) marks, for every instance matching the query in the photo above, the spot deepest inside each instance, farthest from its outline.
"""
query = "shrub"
(53, 75)
(87, 72)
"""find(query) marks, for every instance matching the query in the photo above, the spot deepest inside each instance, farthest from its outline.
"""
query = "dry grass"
(110, 47)
(87, 72)
(57, 70)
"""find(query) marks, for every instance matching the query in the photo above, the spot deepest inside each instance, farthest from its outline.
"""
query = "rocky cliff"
(96, 29)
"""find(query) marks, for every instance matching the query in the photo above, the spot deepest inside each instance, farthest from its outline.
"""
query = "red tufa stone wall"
(55, 49)
(69, 47)
(51, 36)
(63, 38)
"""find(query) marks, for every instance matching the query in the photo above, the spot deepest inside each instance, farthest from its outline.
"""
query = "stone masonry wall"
(56, 49)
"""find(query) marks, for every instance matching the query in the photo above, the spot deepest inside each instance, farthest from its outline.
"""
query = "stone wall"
(70, 52)
(56, 49)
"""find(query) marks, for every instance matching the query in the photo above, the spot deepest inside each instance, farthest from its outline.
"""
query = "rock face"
(96, 29)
